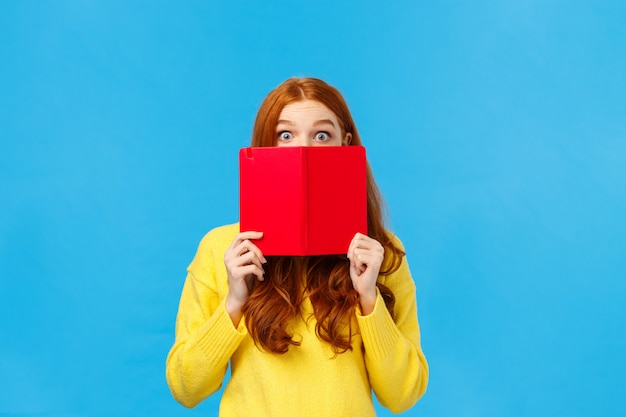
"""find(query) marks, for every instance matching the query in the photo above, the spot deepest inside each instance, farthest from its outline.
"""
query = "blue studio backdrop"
(496, 131)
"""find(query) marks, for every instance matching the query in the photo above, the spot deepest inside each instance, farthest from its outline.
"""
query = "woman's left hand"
(366, 257)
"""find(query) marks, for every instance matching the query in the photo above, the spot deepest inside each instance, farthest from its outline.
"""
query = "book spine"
(305, 200)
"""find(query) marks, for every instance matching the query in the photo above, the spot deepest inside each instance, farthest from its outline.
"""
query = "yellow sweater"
(307, 380)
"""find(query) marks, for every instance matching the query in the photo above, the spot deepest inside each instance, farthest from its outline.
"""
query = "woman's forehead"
(309, 108)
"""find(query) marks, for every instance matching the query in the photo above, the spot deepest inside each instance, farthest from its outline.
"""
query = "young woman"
(305, 336)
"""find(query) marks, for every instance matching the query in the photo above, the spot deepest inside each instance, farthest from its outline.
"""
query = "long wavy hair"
(275, 302)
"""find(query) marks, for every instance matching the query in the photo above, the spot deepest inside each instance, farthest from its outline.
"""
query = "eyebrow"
(324, 122)
(316, 123)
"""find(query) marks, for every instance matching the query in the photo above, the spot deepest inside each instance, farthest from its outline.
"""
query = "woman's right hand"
(244, 263)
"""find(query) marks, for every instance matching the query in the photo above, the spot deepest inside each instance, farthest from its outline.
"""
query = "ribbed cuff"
(220, 339)
(379, 331)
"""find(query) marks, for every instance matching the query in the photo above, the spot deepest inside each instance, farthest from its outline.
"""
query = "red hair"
(275, 302)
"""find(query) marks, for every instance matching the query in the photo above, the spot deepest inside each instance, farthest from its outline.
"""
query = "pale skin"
(303, 123)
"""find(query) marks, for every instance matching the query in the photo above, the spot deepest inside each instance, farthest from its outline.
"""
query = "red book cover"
(305, 200)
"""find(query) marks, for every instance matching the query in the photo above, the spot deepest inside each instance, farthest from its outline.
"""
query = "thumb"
(354, 270)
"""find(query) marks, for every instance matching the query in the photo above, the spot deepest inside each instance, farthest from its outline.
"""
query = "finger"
(355, 268)
(247, 246)
(359, 264)
(363, 241)
(359, 270)
(351, 245)
(354, 272)
(241, 272)
(366, 242)
(249, 235)
(253, 270)
(250, 258)
(367, 258)
(364, 251)
(353, 242)
(361, 261)
(234, 263)
(374, 256)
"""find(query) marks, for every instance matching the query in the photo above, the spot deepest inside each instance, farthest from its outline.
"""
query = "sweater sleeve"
(396, 365)
(205, 335)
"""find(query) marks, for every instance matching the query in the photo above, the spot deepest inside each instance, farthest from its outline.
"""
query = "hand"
(244, 263)
(366, 257)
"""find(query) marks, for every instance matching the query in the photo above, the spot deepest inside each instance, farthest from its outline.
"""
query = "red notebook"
(305, 200)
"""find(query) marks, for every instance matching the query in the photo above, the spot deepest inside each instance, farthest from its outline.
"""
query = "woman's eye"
(323, 136)
(284, 136)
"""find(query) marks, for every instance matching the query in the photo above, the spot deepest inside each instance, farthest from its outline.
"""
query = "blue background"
(496, 131)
